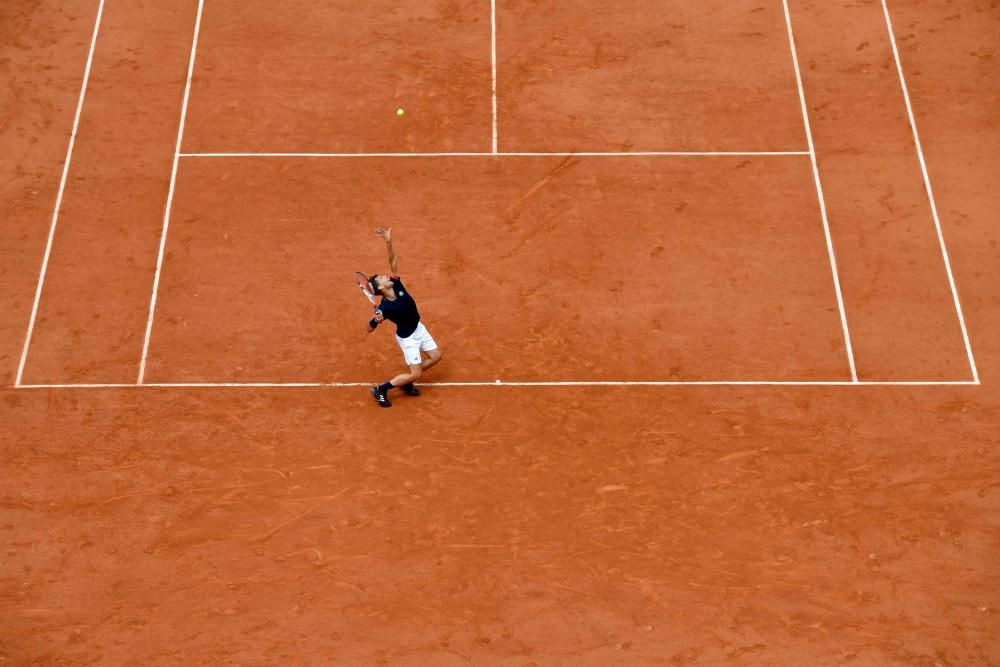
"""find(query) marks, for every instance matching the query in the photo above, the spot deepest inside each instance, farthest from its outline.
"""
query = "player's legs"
(428, 346)
(433, 357)
(407, 378)
(418, 344)
(413, 348)
(404, 380)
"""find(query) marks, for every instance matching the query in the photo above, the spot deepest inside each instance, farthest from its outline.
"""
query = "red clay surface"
(307, 76)
(635, 75)
(622, 269)
(497, 525)
(91, 321)
(891, 268)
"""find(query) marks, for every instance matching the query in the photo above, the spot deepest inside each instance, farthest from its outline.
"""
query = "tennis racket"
(366, 288)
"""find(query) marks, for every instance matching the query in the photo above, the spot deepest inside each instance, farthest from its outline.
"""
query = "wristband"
(373, 323)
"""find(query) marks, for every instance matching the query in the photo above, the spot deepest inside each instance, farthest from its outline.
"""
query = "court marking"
(500, 383)
(59, 195)
(493, 65)
(819, 193)
(170, 194)
(930, 192)
(521, 154)
(495, 153)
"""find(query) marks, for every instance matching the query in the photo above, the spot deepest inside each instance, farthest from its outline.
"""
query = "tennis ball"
(400, 111)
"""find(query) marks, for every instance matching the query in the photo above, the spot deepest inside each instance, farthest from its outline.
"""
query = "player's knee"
(415, 372)
(435, 354)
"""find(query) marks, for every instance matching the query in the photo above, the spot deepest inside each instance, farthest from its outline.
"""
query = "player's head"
(380, 282)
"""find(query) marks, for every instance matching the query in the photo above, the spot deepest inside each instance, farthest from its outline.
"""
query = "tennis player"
(398, 307)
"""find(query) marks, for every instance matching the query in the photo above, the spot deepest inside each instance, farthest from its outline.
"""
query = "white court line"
(930, 193)
(498, 383)
(536, 154)
(59, 194)
(493, 63)
(819, 193)
(170, 194)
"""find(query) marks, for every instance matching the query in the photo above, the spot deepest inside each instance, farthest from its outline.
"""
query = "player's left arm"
(375, 321)
(386, 235)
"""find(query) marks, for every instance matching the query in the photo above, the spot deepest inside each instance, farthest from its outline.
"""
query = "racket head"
(365, 286)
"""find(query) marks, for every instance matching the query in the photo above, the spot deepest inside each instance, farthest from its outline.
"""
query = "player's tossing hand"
(384, 234)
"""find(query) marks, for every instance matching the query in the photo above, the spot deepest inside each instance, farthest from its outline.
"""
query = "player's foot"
(410, 390)
(380, 398)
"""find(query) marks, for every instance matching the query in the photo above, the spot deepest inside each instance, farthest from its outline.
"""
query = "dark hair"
(371, 281)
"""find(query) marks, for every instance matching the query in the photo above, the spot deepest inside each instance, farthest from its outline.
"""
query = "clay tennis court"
(716, 285)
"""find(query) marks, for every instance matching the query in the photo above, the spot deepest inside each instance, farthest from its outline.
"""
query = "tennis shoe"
(380, 398)
(410, 390)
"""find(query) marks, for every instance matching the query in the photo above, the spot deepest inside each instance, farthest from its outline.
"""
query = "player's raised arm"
(386, 235)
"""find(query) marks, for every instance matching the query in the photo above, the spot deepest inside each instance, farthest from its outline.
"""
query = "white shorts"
(411, 346)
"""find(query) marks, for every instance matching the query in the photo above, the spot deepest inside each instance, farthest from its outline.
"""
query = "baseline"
(500, 383)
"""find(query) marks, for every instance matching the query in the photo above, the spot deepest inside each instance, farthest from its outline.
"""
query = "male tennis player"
(398, 307)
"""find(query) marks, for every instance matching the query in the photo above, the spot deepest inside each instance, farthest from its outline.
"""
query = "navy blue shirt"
(402, 311)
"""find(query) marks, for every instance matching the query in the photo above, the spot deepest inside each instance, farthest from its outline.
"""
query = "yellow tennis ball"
(400, 111)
